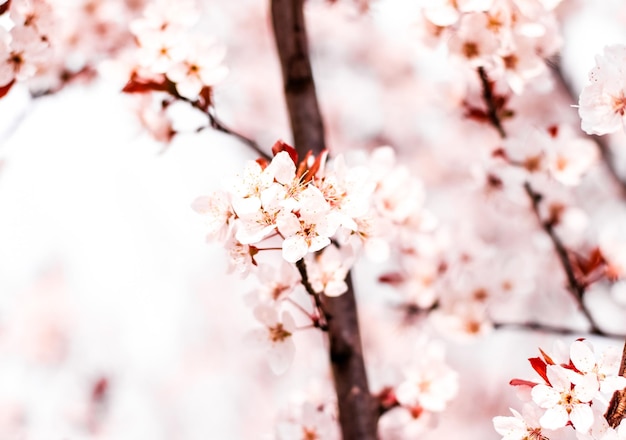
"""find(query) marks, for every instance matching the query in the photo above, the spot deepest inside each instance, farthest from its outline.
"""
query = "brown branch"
(218, 125)
(617, 407)
(293, 50)
(548, 328)
(492, 111)
(358, 409)
(322, 318)
(575, 287)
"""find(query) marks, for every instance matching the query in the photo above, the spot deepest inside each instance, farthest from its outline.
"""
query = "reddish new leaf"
(522, 382)
(393, 278)
(138, 84)
(279, 146)
(540, 367)
(5, 89)
(547, 358)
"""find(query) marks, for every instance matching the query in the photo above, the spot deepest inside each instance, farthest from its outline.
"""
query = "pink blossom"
(276, 338)
(565, 401)
(519, 427)
(200, 67)
(602, 103)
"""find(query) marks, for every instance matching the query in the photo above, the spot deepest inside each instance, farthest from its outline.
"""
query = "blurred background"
(118, 321)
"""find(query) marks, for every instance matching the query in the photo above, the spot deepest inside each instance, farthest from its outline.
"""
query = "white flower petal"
(582, 417)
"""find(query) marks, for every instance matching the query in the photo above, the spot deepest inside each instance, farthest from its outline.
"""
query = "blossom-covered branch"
(575, 287)
(357, 408)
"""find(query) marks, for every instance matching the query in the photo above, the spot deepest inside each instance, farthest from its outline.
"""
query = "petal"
(587, 388)
(582, 417)
(582, 356)
(281, 355)
(509, 427)
(266, 315)
(554, 418)
(282, 168)
(294, 248)
(545, 396)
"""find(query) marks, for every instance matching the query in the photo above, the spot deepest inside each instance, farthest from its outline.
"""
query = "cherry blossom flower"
(22, 55)
(314, 423)
(311, 230)
(276, 338)
(200, 67)
(604, 372)
(564, 402)
(328, 271)
(602, 103)
(430, 383)
(219, 214)
(519, 427)
(275, 283)
(246, 188)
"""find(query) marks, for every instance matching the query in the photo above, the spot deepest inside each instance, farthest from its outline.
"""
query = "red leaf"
(522, 382)
(540, 367)
(263, 162)
(100, 390)
(393, 278)
(553, 130)
(5, 89)
(547, 358)
(321, 158)
(279, 146)
(137, 84)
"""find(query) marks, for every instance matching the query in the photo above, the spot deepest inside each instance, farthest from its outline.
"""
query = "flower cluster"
(574, 393)
(320, 215)
(174, 62)
(48, 44)
(602, 103)
(309, 204)
(508, 38)
(25, 48)
(422, 391)
(557, 152)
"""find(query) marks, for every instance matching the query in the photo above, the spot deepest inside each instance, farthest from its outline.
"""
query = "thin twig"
(324, 317)
(548, 328)
(488, 97)
(575, 287)
(218, 125)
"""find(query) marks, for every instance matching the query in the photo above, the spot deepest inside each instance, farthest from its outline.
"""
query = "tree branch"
(548, 328)
(322, 315)
(358, 409)
(617, 407)
(492, 111)
(575, 287)
(293, 50)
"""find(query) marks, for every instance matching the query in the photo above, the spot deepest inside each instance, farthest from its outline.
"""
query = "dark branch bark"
(488, 97)
(293, 50)
(617, 407)
(358, 409)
